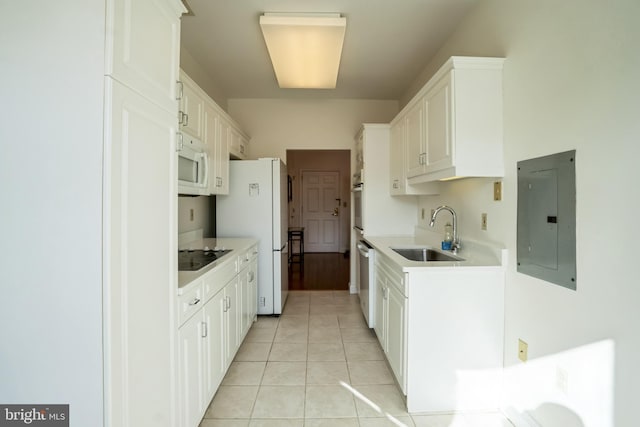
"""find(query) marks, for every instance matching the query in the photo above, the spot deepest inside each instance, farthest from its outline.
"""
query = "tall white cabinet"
(91, 87)
(140, 212)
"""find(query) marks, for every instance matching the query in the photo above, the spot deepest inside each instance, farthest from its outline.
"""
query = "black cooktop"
(195, 259)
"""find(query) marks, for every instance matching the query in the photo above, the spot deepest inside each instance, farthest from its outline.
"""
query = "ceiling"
(387, 44)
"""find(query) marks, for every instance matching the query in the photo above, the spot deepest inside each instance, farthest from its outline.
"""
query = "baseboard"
(352, 289)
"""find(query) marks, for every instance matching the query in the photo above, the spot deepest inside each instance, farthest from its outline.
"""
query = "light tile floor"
(318, 365)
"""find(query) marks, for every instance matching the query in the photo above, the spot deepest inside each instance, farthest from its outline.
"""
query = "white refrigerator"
(257, 207)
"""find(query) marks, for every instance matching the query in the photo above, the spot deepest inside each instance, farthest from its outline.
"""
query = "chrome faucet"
(455, 244)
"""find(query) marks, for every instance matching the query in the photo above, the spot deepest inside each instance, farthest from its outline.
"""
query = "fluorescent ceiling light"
(305, 49)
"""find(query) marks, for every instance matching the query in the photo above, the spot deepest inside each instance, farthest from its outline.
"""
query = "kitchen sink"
(425, 254)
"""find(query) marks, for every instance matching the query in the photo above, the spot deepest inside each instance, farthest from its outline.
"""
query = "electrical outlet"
(497, 190)
(190, 214)
(483, 221)
(262, 302)
(523, 349)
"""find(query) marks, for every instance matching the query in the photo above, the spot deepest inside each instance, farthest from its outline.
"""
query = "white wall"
(570, 82)
(51, 187)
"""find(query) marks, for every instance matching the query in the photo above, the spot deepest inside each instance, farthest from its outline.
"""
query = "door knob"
(335, 212)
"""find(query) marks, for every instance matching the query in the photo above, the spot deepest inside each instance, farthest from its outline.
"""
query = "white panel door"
(321, 211)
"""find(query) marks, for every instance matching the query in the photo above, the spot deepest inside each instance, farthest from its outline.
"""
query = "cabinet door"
(133, 26)
(191, 371)
(214, 346)
(439, 143)
(232, 302)
(140, 299)
(238, 146)
(396, 159)
(396, 312)
(252, 297)
(243, 288)
(379, 326)
(191, 108)
(415, 139)
(222, 156)
(210, 134)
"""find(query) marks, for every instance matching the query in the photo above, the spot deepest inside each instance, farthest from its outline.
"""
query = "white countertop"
(237, 245)
(476, 255)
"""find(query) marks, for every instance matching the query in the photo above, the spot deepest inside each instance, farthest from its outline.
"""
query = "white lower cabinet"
(216, 313)
(231, 310)
(214, 351)
(391, 317)
(191, 372)
(442, 334)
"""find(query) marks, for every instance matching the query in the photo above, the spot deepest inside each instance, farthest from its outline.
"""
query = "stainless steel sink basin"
(425, 254)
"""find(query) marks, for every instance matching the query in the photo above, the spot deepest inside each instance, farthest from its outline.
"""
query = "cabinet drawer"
(245, 258)
(190, 302)
(217, 279)
(396, 277)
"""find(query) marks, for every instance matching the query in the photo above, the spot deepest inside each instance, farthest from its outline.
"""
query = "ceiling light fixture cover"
(305, 49)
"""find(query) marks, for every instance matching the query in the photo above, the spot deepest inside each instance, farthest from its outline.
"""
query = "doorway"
(320, 198)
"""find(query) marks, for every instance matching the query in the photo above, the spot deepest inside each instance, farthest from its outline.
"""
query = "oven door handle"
(364, 251)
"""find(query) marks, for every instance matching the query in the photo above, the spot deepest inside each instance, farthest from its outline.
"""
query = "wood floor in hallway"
(320, 271)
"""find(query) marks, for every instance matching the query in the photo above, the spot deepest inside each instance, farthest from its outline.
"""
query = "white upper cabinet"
(192, 100)
(453, 126)
(202, 118)
(398, 157)
(143, 47)
(415, 139)
(239, 145)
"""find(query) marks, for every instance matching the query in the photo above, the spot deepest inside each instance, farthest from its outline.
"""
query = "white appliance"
(367, 281)
(257, 207)
(193, 166)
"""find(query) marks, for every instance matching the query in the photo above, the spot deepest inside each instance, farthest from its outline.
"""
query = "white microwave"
(193, 166)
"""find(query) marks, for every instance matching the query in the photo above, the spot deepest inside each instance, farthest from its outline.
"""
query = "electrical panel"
(546, 246)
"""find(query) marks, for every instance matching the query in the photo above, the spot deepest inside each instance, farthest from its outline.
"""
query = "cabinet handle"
(205, 331)
(179, 90)
(180, 117)
(195, 301)
(186, 120)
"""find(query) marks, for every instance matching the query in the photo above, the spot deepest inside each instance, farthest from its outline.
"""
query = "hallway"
(318, 365)
(321, 271)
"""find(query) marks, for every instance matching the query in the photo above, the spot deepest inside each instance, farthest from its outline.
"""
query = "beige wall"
(204, 215)
(278, 125)
(570, 82)
(199, 75)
